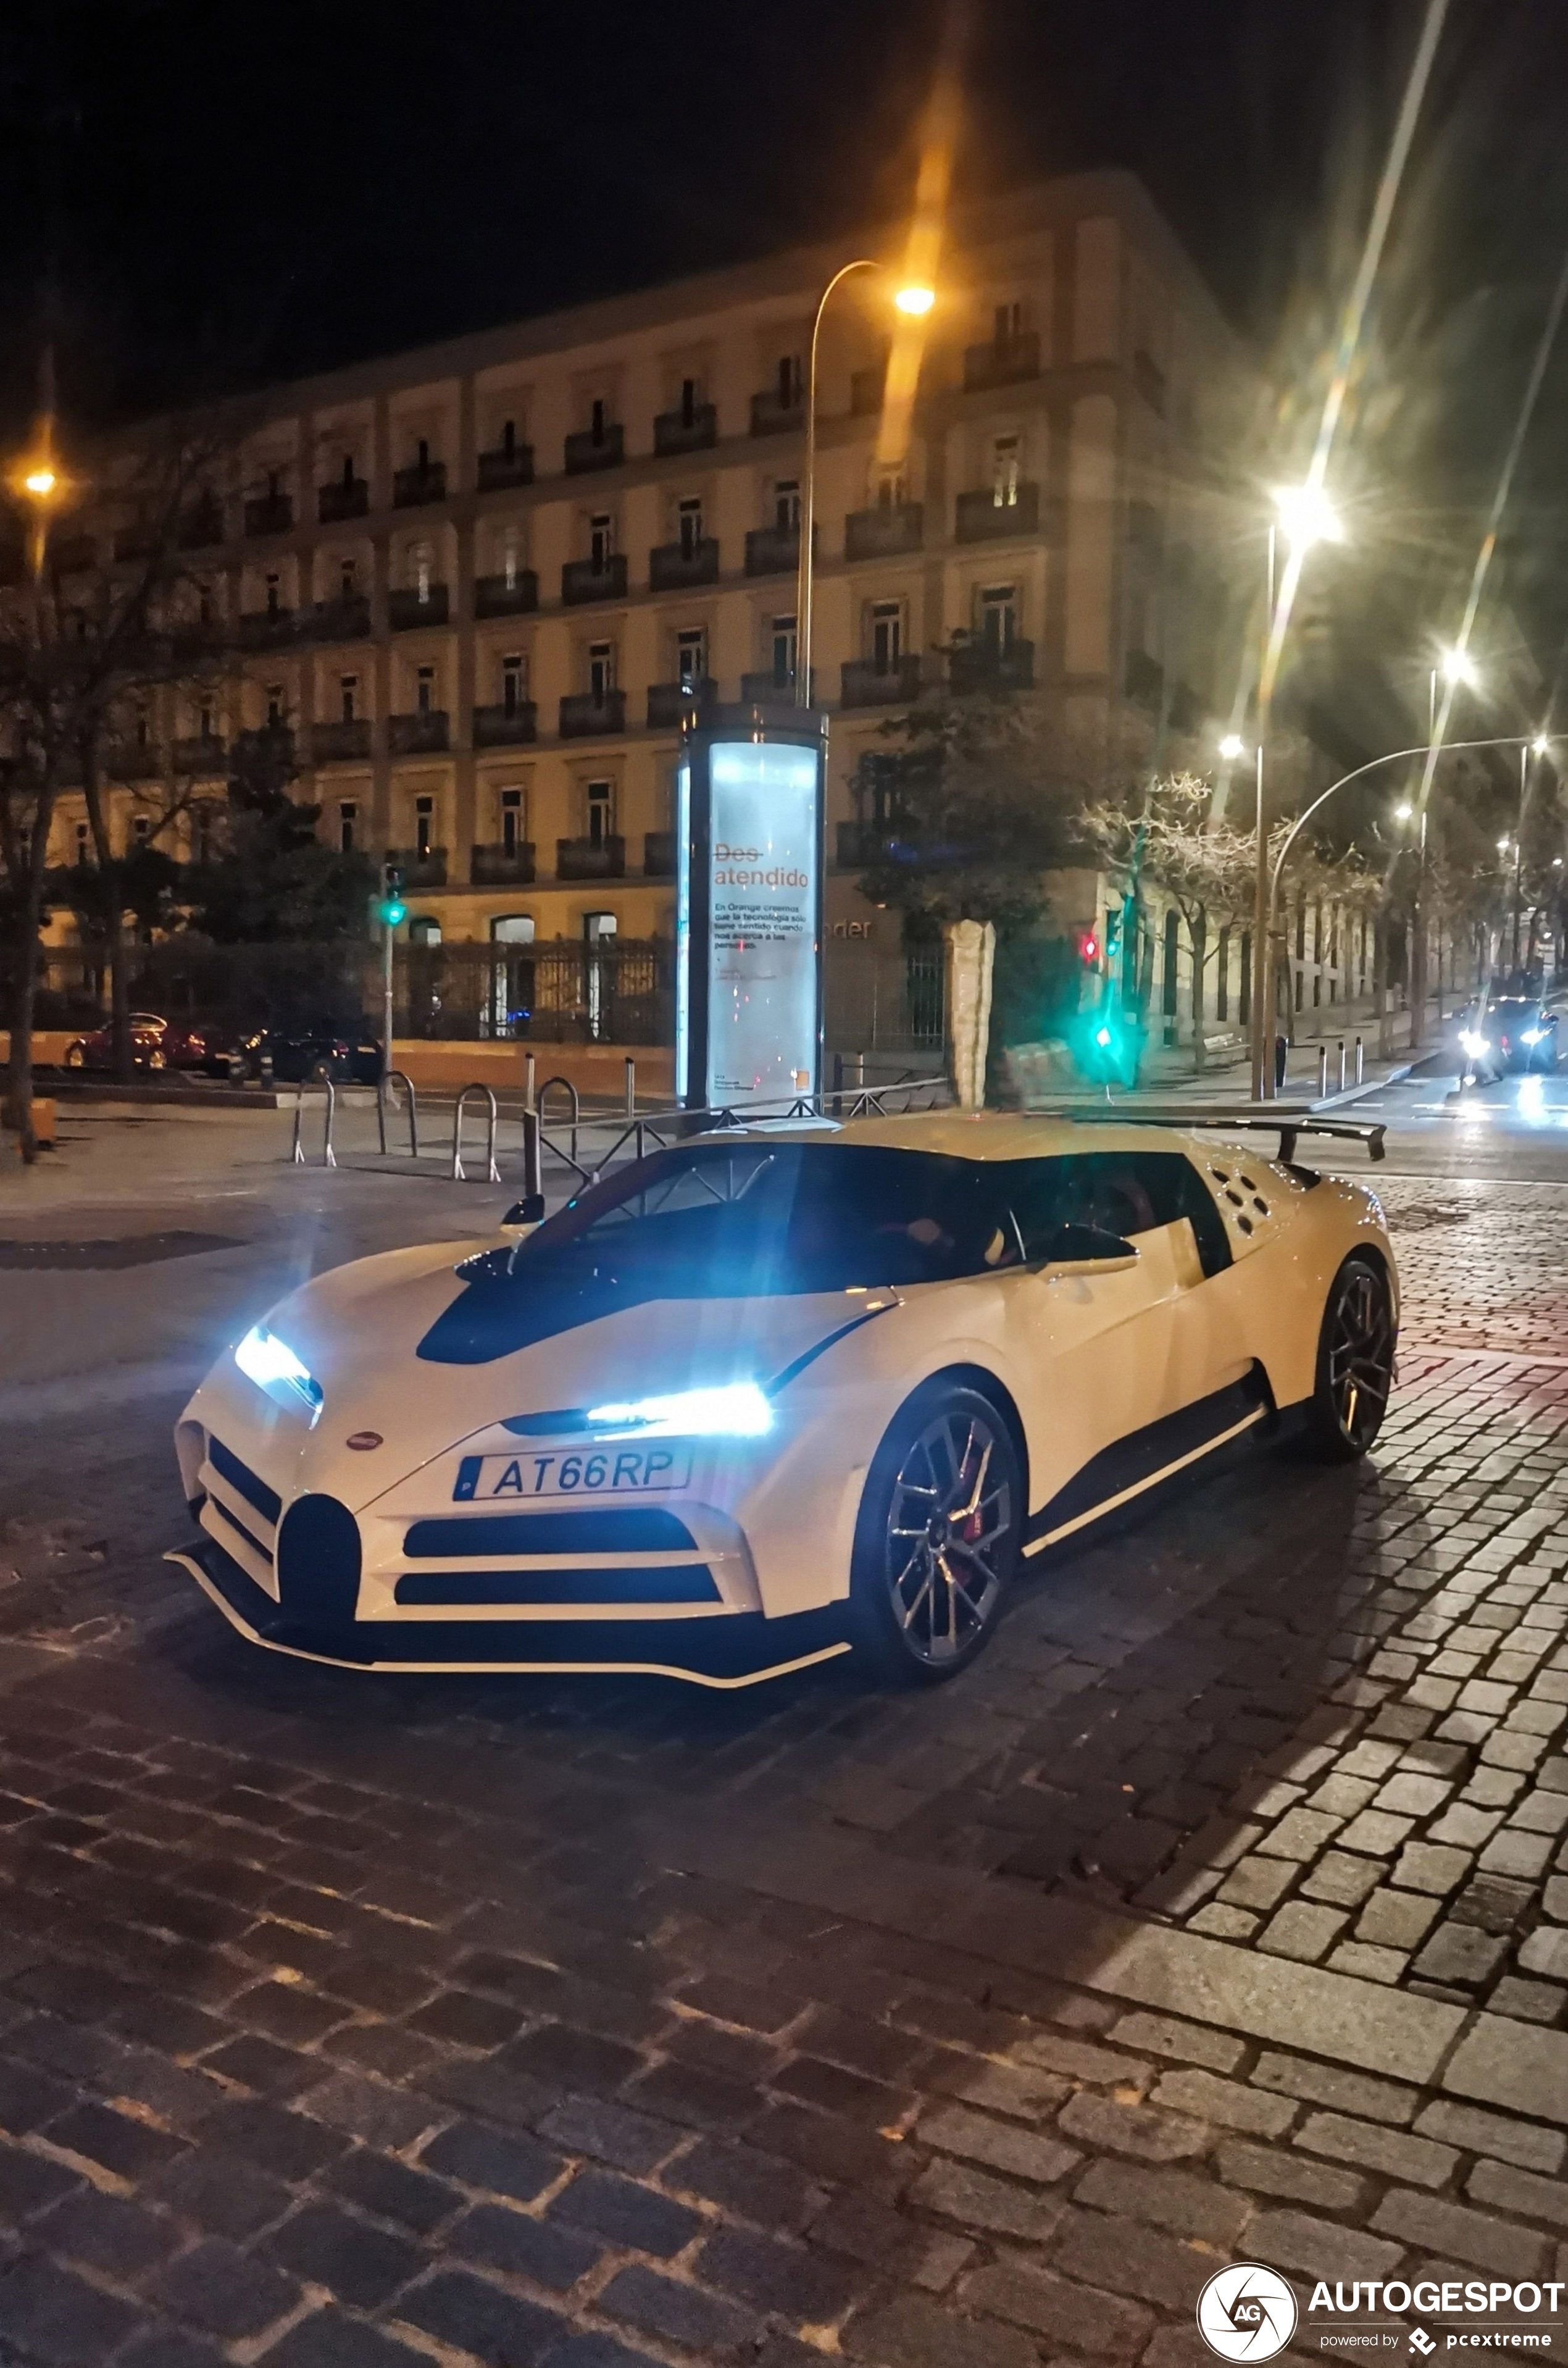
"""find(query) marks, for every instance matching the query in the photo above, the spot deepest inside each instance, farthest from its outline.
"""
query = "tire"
(927, 1590)
(1355, 1364)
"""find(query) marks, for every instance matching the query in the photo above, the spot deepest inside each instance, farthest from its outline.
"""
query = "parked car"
(1514, 1034)
(298, 1056)
(155, 1044)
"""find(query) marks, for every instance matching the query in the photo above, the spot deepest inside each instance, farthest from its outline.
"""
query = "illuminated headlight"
(1473, 1045)
(1532, 1035)
(272, 1365)
(737, 1410)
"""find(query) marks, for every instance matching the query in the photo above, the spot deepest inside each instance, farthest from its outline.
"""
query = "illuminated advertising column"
(748, 911)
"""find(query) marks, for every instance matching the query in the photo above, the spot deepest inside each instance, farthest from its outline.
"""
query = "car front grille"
(241, 1511)
(686, 1582)
(640, 1554)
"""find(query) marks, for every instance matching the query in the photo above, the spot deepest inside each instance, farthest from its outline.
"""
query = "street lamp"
(1232, 747)
(1404, 812)
(1305, 516)
(913, 300)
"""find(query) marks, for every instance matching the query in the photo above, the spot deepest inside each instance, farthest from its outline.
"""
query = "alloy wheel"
(950, 1521)
(1360, 1353)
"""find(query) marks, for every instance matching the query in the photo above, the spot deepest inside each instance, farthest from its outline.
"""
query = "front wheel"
(1354, 1363)
(938, 1538)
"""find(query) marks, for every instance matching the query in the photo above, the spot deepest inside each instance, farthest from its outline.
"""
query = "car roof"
(981, 1134)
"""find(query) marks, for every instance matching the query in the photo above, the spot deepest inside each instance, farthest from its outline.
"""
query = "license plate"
(574, 1472)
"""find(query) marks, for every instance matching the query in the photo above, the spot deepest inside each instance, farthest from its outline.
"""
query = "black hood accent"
(498, 1313)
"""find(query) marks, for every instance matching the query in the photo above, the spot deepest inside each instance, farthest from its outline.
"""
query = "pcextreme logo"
(1246, 2312)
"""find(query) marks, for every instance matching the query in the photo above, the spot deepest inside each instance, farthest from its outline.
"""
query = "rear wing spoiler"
(1230, 1118)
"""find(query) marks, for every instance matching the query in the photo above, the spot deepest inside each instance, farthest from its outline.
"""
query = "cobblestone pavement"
(1221, 1912)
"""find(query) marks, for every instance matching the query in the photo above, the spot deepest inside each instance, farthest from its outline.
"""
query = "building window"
(422, 459)
(876, 791)
(691, 656)
(272, 596)
(787, 506)
(509, 439)
(348, 697)
(205, 719)
(141, 829)
(688, 403)
(274, 705)
(347, 574)
(201, 821)
(421, 556)
(510, 562)
(783, 651)
(601, 671)
(885, 628)
(1008, 323)
(601, 542)
(597, 419)
(424, 824)
(144, 727)
(600, 797)
(689, 518)
(512, 678)
(347, 815)
(424, 690)
(787, 381)
(890, 489)
(998, 606)
(511, 821)
(1005, 456)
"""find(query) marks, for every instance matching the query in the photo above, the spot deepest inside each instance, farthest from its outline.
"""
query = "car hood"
(358, 1330)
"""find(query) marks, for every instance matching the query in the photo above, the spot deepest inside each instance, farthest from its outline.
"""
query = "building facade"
(481, 582)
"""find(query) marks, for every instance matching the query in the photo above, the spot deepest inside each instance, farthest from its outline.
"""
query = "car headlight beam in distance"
(1473, 1045)
(734, 1409)
(272, 1365)
(1532, 1035)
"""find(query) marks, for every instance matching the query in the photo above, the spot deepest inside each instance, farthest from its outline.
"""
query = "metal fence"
(552, 991)
(877, 1001)
(190, 980)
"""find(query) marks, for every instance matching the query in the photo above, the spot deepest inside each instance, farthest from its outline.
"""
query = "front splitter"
(724, 1653)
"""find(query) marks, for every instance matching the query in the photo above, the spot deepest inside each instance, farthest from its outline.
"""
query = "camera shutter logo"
(1246, 2312)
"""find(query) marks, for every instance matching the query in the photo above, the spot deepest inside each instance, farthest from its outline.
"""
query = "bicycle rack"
(460, 1174)
(567, 1086)
(328, 1157)
(397, 1077)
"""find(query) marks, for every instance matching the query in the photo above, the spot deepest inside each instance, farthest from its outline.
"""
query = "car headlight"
(1473, 1045)
(1532, 1035)
(272, 1365)
(738, 1409)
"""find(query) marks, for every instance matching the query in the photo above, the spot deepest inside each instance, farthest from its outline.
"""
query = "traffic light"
(1106, 1047)
(392, 909)
(1088, 948)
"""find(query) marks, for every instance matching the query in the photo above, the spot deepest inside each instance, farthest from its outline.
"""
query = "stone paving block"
(1190, 2207)
(473, 2315)
(493, 2235)
(1129, 2258)
(1256, 1883)
(1000, 2145)
(1207, 2099)
(1396, 1919)
(1303, 1930)
(1412, 1796)
(330, 2339)
(1522, 1855)
(769, 2275)
(393, 2192)
(958, 2192)
(1462, 1952)
(1130, 2129)
(1070, 2317)
(58, 2317)
(679, 2313)
(1224, 1923)
(1546, 1952)
(1511, 1750)
(1509, 2189)
(226, 2293)
(1077, 2059)
(1376, 1833)
(1341, 1880)
(1372, 2146)
(1463, 2234)
(1474, 2131)
(1528, 2002)
(625, 2214)
(1342, 2091)
(1366, 1962)
(1268, 2171)
(494, 2161)
(1189, 2043)
(913, 2332)
(1319, 2248)
(1541, 1813)
(1300, 1834)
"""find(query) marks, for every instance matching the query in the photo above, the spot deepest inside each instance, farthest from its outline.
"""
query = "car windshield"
(721, 1221)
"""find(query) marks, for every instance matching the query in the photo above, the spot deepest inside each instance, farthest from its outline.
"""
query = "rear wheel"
(1354, 1363)
(938, 1538)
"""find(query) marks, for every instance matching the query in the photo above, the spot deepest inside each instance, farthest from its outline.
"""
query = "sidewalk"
(1168, 1074)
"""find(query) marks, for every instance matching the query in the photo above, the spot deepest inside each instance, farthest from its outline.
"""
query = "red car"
(155, 1044)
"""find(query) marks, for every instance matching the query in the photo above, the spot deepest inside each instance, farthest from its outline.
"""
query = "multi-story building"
(481, 581)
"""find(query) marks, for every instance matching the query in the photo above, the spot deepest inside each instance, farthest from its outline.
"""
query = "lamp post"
(1459, 670)
(1536, 747)
(1305, 516)
(912, 300)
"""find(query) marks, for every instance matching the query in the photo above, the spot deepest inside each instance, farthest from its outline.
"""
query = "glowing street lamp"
(1403, 812)
(1540, 745)
(1460, 668)
(1233, 749)
(1307, 516)
(917, 300)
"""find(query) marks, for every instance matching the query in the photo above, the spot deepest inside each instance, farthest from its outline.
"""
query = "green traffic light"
(393, 910)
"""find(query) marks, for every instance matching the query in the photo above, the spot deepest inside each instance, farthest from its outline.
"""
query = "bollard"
(1323, 1071)
(1360, 1054)
(1341, 1085)
(533, 1157)
(528, 1102)
(630, 1086)
(838, 1085)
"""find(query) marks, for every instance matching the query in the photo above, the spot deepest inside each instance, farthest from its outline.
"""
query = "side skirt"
(1134, 1467)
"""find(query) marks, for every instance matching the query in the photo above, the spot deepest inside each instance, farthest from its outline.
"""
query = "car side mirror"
(528, 1211)
(1086, 1250)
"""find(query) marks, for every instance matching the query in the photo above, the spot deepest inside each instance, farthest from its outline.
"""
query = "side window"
(1039, 1190)
(1121, 1192)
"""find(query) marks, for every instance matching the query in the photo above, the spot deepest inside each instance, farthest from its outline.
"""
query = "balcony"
(1000, 361)
(590, 579)
(264, 629)
(774, 415)
(343, 742)
(984, 517)
(202, 754)
(345, 497)
(885, 531)
(658, 855)
(770, 689)
(409, 608)
(502, 595)
(670, 703)
(681, 432)
(585, 716)
(985, 665)
(134, 760)
(202, 526)
(420, 734)
(505, 727)
(589, 859)
(509, 464)
(420, 867)
(502, 867)
(773, 550)
(586, 451)
(414, 487)
(346, 619)
(673, 565)
(266, 749)
(269, 514)
(865, 684)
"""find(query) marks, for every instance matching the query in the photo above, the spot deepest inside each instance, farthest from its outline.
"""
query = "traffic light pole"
(389, 938)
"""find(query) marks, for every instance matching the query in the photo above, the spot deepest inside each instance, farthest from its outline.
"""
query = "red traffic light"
(1088, 946)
